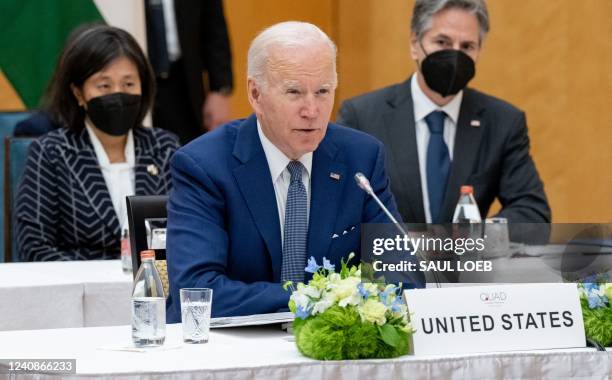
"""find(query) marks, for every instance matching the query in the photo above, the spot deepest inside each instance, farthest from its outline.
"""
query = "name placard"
(495, 318)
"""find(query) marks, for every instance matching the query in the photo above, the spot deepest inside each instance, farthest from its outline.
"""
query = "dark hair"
(88, 50)
(424, 10)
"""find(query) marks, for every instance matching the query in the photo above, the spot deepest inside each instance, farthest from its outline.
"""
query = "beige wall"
(9, 100)
(556, 67)
(246, 18)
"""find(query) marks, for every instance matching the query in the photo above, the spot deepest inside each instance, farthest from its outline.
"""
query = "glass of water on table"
(195, 314)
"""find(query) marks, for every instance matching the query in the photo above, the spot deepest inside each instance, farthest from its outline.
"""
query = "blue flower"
(312, 266)
(302, 313)
(328, 265)
(362, 291)
(596, 301)
(590, 287)
(397, 304)
(385, 294)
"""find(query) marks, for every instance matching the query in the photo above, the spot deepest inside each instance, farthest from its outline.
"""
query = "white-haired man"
(256, 197)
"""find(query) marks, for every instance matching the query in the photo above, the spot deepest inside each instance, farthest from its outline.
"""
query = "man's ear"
(254, 93)
(414, 47)
(78, 94)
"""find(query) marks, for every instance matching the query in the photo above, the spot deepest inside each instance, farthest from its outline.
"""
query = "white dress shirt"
(277, 162)
(423, 106)
(172, 41)
(119, 177)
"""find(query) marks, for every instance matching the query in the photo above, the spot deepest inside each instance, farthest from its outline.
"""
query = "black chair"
(16, 154)
(140, 208)
(8, 121)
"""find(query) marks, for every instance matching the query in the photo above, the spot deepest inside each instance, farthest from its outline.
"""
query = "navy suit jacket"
(493, 155)
(223, 225)
(64, 210)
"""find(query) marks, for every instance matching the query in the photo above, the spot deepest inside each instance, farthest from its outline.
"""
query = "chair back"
(16, 149)
(144, 211)
(8, 121)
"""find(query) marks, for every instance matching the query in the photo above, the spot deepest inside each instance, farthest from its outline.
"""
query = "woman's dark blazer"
(63, 208)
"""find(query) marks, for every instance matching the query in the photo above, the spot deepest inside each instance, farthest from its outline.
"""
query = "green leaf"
(389, 335)
(292, 307)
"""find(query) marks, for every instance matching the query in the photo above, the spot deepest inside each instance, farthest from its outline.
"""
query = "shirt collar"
(277, 160)
(423, 106)
(103, 160)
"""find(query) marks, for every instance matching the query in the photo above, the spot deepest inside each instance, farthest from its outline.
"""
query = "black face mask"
(115, 113)
(447, 71)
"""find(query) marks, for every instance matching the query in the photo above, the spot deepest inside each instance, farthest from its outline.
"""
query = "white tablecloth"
(268, 353)
(64, 294)
(97, 293)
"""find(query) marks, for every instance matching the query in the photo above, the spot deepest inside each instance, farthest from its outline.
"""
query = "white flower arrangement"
(374, 302)
(357, 313)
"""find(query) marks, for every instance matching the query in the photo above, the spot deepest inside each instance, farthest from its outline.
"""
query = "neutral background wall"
(553, 59)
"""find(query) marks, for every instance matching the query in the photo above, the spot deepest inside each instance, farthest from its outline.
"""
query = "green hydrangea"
(339, 334)
(597, 323)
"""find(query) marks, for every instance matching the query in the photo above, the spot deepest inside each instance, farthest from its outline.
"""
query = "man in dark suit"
(189, 49)
(254, 198)
(439, 135)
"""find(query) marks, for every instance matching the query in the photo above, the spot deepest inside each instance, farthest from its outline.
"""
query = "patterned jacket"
(64, 210)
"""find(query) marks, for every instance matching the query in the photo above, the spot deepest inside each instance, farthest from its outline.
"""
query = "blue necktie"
(296, 227)
(438, 163)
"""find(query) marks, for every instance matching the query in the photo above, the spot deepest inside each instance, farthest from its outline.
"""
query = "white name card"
(490, 318)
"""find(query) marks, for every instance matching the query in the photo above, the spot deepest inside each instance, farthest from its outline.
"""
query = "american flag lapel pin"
(335, 176)
(475, 123)
(152, 169)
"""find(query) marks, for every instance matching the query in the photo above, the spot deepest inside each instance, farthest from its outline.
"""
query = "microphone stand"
(364, 184)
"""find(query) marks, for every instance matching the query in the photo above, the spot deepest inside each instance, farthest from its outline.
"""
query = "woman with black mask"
(71, 201)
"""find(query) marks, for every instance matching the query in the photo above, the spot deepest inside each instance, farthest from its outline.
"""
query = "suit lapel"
(328, 179)
(403, 145)
(255, 183)
(87, 170)
(466, 147)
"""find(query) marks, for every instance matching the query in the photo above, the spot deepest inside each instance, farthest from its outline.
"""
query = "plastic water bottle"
(126, 253)
(467, 222)
(467, 209)
(148, 304)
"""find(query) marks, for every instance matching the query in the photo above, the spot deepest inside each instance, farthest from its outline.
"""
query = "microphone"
(364, 184)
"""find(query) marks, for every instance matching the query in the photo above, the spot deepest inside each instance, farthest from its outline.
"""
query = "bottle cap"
(465, 189)
(147, 254)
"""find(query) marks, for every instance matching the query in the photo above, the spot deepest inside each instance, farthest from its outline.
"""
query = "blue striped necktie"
(438, 164)
(296, 227)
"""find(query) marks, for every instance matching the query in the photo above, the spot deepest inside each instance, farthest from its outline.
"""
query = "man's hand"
(215, 110)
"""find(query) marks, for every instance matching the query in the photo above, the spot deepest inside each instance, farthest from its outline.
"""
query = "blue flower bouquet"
(596, 302)
(340, 317)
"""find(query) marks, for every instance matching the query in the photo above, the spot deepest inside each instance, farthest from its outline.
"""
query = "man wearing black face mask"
(441, 135)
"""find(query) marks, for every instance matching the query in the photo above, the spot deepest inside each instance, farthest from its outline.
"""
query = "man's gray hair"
(424, 10)
(289, 34)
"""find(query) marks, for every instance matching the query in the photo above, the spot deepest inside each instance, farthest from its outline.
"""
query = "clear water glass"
(148, 321)
(497, 240)
(196, 305)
